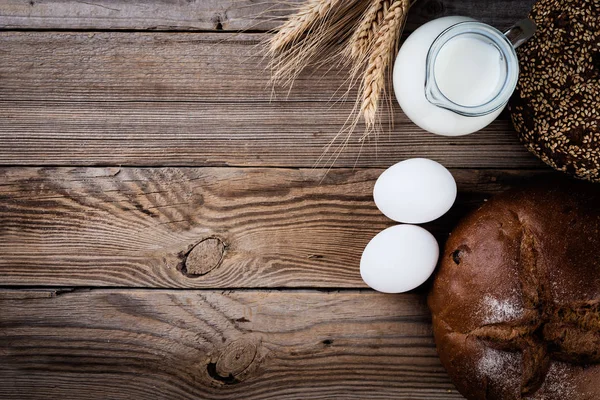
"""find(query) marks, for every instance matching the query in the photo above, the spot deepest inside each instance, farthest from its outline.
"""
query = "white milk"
(467, 72)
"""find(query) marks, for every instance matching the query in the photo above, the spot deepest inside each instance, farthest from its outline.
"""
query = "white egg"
(415, 191)
(399, 259)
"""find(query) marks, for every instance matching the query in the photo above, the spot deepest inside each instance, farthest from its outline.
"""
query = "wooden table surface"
(162, 231)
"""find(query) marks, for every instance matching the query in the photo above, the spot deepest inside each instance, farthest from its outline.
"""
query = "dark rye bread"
(516, 300)
(556, 106)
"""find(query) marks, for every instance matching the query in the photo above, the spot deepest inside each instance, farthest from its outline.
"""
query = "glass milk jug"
(454, 75)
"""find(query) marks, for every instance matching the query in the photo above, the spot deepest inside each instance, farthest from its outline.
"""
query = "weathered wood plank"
(191, 99)
(181, 15)
(129, 66)
(123, 344)
(233, 134)
(152, 67)
(201, 227)
(229, 15)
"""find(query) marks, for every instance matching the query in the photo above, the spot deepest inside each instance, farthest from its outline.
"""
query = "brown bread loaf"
(556, 106)
(516, 301)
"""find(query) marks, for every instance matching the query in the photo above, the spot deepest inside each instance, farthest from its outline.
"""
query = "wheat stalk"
(362, 40)
(384, 49)
(368, 32)
(325, 26)
(306, 18)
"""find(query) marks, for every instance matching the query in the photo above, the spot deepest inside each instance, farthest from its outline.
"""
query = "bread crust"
(556, 105)
(516, 300)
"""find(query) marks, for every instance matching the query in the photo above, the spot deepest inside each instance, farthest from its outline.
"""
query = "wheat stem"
(312, 47)
(306, 18)
(384, 49)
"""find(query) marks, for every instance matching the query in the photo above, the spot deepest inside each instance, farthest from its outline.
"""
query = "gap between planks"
(61, 290)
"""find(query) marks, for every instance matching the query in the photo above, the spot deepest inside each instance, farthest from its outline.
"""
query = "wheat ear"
(383, 51)
(361, 41)
(315, 46)
(307, 17)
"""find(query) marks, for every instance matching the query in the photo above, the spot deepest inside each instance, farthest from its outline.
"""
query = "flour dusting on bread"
(500, 367)
(495, 310)
(557, 384)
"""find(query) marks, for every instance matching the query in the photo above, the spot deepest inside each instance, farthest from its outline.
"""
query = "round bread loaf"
(516, 301)
(556, 105)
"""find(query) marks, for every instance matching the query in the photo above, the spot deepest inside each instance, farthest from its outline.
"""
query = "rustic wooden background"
(162, 231)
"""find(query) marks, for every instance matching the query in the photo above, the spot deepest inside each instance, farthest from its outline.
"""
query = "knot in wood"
(204, 257)
(433, 8)
(234, 362)
(236, 358)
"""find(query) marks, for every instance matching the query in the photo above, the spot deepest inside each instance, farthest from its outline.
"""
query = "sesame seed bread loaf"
(516, 300)
(556, 106)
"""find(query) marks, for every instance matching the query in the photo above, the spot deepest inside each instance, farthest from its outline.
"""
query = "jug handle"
(521, 32)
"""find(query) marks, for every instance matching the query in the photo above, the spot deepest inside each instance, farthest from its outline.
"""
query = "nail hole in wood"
(218, 22)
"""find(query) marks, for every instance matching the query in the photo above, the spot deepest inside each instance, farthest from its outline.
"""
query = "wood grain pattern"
(238, 134)
(202, 99)
(180, 15)
(138, 66)
(152, 67)
(228, 15)
(140, 227)
(193, 100)
(124, 344)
